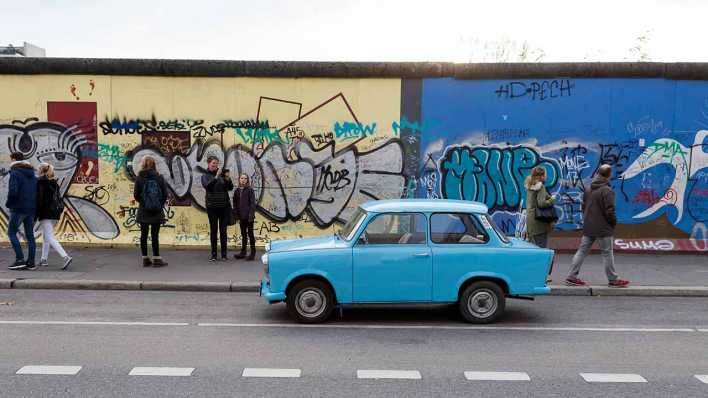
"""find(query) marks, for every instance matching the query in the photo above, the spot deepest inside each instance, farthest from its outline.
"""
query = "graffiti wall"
(481, 139)
(314, 148)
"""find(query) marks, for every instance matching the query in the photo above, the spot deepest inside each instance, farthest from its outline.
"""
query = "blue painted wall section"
(483, 137)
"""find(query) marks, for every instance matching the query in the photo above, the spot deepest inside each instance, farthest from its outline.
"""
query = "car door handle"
(421, 255)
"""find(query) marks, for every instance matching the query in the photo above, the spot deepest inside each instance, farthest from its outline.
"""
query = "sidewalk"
(121, 269)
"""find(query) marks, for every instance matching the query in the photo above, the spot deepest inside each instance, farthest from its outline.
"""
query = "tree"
(640, 52)
(504, 50)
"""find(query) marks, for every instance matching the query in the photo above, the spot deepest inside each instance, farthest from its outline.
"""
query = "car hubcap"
(483, 303)
(311, 302)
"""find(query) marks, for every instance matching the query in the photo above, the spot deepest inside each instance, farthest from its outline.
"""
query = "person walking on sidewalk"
(599, 220)
(151, 194)
(537, 197)
(22, 203)
(217, 186)
(245, 212)
(50, 206)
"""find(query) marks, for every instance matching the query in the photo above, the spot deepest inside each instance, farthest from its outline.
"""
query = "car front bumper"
(269, 296)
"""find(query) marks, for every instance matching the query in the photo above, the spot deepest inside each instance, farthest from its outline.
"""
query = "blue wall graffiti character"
(493, 176)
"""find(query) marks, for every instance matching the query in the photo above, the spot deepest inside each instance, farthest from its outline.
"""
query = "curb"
(637, 291)
(250, 287)
(85, 284)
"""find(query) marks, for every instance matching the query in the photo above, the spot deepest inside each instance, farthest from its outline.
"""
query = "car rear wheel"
(482, 302)
(310, 301)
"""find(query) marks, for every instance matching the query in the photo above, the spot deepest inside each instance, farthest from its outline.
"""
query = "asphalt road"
(218, 336)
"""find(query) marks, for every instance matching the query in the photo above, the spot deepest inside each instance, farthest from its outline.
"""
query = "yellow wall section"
(307, 185)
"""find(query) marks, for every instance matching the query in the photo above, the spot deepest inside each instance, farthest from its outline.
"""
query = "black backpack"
(152, 195)
(56, 202)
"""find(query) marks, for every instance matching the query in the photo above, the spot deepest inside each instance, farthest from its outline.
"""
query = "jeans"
(218, 221)
(540, 240)
(155, 234)
(27, 220)
(607, 256)
(48, 240)
(247, 231)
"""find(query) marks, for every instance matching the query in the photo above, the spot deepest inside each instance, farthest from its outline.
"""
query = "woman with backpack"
(50, 206)
(151, 194)
(245, 212)
(537, 197)
(217, 186)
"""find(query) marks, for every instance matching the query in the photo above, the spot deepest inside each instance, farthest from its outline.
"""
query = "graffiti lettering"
(348, 130)
(113, 155)
(541, 91)
(324, 138)
(97, 194)
(493, 176)
(332, 180)
(638, 244)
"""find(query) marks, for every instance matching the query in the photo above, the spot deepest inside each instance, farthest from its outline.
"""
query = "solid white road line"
(388, 374)
(498, 376)
(269, 372)
(612, 378)
(94, 323)
(702, 378)
(48, 370)
(157, 371)
(445, 327)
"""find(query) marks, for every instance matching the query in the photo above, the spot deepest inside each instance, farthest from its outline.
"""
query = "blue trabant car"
(406, 251)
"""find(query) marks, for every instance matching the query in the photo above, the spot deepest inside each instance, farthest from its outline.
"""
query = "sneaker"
(570, 281)
(30, 266)
(240, 255)
(159, 263)
(18, 265)
(43, 263)
(618, 283)
(224, 257)
(213, 258)
(67, 261)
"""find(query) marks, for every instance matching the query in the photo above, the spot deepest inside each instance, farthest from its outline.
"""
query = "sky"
(344, 30)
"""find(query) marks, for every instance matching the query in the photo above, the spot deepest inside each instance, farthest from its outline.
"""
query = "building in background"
(27, 50)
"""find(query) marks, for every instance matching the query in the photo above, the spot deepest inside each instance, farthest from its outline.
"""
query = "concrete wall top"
(213, 68)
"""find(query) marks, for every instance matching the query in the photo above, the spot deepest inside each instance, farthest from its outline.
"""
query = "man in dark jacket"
(22, 202)
(599, 221)
(217, 186)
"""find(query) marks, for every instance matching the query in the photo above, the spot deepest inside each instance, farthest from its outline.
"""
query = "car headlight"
(267, 247)
(264, 259)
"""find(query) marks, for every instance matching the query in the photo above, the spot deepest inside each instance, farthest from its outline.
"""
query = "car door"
(460, 245)
(392, 261)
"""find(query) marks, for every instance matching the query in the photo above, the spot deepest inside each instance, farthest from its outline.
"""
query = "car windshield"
(496, 228)
(347, 232)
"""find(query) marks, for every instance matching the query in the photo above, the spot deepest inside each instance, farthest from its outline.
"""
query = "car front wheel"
(482, 302)
(310, 301)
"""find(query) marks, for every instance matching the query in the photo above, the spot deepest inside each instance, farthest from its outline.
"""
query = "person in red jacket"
(599, 221)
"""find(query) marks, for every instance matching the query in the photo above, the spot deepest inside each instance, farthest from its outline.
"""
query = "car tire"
(310, 301)
(482, 302)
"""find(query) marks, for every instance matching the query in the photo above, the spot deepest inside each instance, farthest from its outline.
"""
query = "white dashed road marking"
(388, 374)
(612, 378)
(498, 376)
(268, 372)
(157, 371)
(93, 323)
(702, 378)
(49, 370)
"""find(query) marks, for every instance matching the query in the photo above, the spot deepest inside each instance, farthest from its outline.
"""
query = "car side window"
(395, 228)
(456, 228)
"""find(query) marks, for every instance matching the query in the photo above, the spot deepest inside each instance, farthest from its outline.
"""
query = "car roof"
(424, 205)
